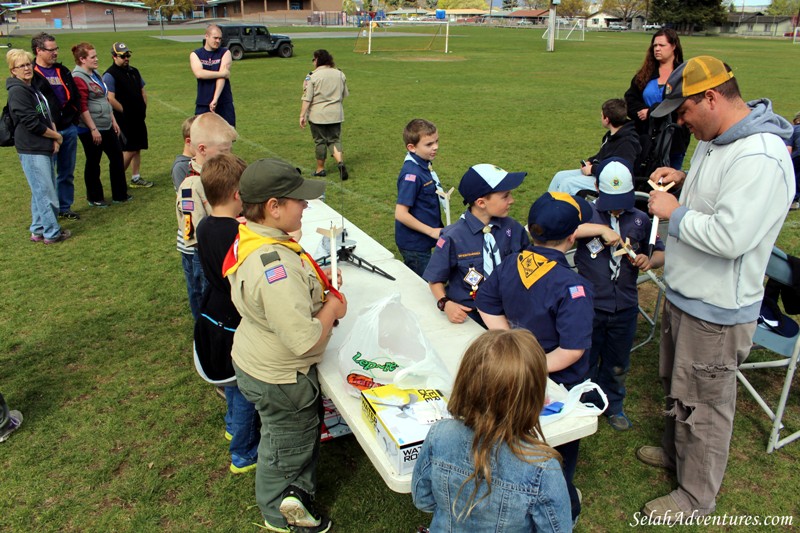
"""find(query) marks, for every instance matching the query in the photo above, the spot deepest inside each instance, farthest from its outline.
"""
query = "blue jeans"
(416, 261)
(676, 160)
(41, 178)
(571, 182)
(241, 421)
(195, 281)
(65, 168)
(610, 356)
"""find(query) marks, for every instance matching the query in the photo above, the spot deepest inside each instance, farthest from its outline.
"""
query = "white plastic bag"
(386, 345)
(572, 401)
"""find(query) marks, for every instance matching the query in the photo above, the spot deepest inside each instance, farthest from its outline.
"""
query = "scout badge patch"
(532, 266)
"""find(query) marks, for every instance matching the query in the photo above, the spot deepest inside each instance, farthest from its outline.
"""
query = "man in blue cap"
(537, 290)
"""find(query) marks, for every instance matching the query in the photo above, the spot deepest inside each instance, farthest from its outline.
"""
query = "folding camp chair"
(788, 348)
(652, 320)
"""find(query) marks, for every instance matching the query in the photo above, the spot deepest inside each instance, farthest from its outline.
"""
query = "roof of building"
(40, 5)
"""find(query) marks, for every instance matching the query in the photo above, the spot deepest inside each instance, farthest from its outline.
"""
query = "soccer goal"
(568, 30)
(796, 36)
(403, 36)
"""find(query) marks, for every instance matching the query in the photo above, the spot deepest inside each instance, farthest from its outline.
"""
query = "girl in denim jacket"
(489, 468)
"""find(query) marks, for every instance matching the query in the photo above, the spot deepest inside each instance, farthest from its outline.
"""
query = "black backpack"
(6, 128)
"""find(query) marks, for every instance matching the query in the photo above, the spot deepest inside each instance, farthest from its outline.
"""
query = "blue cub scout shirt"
(460, 247)
(556, 307)
(615, 295)
(416, 189)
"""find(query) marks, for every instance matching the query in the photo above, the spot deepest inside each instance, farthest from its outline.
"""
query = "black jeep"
(241, 38)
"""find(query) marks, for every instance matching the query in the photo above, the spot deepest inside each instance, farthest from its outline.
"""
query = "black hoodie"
(623, 144)
(31, 114)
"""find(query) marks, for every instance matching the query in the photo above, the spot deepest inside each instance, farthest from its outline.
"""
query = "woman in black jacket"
(36, 140)
(647, 91)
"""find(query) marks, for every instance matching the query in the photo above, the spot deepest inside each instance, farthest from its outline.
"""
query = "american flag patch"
(440, 242)
(187, 205)
(410, 177)
(577, 292)
(275, 274)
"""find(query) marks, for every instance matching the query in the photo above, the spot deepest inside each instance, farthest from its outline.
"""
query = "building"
(80, 14)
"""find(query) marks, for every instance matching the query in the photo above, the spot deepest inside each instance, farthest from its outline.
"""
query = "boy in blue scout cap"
(537, 290)
(288, 310)
(469, 250)
(616, 299)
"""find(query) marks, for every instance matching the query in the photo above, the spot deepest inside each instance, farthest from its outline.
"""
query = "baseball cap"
(699, 74)
(120, 49)
(484, 179)
(273, 178)
(615, 182)
(557, 215)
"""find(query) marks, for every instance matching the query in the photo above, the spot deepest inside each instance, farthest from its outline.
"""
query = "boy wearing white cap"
(469, 250)
(614, 279)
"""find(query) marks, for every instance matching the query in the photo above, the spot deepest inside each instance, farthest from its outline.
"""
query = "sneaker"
(140, 183)
(298, 509)
(320, 173)
(276, 529)
(243, 469)
(63, 236)
(795, 206)
(343, 171)
(619, 422)
(35, 237)
(14, 422)
(653, 456)
(69, 214)
(99, 203)
(127, 199)
(665, 509)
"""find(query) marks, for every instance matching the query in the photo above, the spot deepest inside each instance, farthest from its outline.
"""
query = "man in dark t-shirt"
(211, 65)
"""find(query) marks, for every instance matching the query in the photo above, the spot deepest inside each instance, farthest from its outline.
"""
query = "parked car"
(525, 22)
(648, 27)
(245, 38)
(616, 26)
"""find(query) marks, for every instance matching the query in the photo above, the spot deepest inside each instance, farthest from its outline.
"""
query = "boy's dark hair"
(615, 111)
(38, 40)
(186, 127)
(416, 129)
(220, 177)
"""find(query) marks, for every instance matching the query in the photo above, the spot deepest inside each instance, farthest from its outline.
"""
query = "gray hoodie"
(733, 203)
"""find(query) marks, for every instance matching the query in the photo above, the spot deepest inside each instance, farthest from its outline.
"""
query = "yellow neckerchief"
(532, 266)
(248, 241)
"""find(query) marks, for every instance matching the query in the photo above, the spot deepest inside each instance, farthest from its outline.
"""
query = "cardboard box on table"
(400, 419)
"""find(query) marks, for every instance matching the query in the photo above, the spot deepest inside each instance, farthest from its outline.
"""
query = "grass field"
(120, 434)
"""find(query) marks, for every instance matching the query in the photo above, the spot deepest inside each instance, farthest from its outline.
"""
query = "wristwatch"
(441, 302)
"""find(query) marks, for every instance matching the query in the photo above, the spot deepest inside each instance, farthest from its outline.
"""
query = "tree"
(572, 8)
(462, 4)
(624, 9)
(349, 6)
(687, 14)
(180, 6)
(780, 8)
(509, 5)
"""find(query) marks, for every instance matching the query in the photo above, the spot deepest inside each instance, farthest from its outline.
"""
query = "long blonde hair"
(499, 392)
